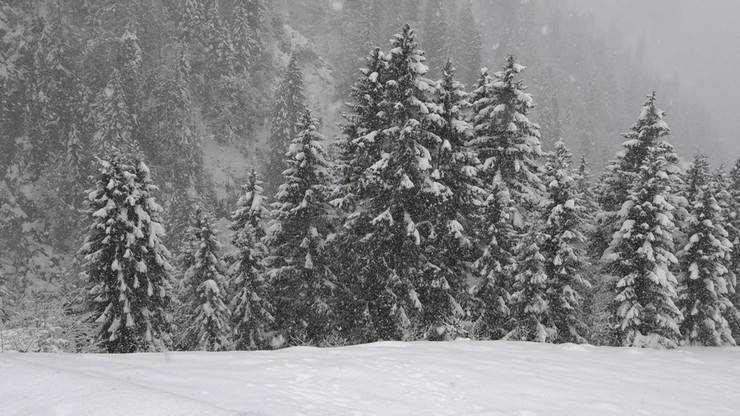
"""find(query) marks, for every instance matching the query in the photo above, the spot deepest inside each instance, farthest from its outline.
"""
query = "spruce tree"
(191, 21)
(508, 147)
(114, 122)
(648, 134)
(286, 111)
(452, 243)
(549, 285)
(204, 283)
(299, 263)
(732, 221)
(564, 244)
(251, 309)
(641, 256)
(389, 221)
(706, 281)
(507, 143)
(218, 42)
(127, 265)
(247, 33)
(497, 264)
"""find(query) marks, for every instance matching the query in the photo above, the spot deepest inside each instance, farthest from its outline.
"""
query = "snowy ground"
(458, 378)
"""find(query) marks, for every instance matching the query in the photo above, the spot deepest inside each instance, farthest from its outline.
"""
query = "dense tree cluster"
(437, 214)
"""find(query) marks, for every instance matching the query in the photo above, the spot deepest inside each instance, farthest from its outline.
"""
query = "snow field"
(388, 378)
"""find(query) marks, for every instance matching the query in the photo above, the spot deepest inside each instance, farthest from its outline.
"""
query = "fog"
(695, 42)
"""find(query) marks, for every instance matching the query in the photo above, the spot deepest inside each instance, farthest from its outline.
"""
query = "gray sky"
(697, 40)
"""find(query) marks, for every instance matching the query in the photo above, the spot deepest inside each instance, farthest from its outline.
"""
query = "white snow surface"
(387, 378)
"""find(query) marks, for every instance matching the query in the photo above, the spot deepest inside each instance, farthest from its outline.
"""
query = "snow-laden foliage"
(648, 135)
(496, 265)
(550, 287)
(247, 32)
(127, 264)
(641, 257)
(731, 220)
(204, 291)
(394, 185)
(251, 309)
(114, 122)
(706, 281)
(305, 286)
(452, 242)
(508, 144)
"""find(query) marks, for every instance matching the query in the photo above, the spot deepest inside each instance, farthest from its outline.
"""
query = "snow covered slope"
(458, 378)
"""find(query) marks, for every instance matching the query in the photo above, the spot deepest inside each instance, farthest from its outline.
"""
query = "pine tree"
(204, 292)
(507, 143)
(247, 32)
(114, 122)
(732, 221)
(218, 42)
(389, 223)
(648, 134)
(641, 258)
(564, 243)
(497, 264)
(286, 111)
(547, 294)
(128, 268)
(128, 63)
(706, 281)
(191, 21)
(508, 147)
(252, 311)
(452, 243)
(299, 263)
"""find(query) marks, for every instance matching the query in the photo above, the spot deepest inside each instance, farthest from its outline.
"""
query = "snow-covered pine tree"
(548, 287)
(127, 265)
(648, 134)
(251, 309)
(300, 273)
(360, 150)
(128, 62)
(247, 32)
(390, 218)
(191, 18)
(114, 123)
(496, 265)
(508, 147)
(452, 243)
(732, 221)
(286, 111)
(218, 42)
(585, 189)
(204, 291)
(507, 143)
(564, 244)
(641, 256)
(706, 281)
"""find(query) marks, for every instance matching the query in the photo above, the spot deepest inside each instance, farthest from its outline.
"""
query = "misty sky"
(698, 41)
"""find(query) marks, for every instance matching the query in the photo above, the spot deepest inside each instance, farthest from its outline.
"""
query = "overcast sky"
(698, 40)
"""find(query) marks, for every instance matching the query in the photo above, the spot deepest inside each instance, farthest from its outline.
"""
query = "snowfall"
(388, 378)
